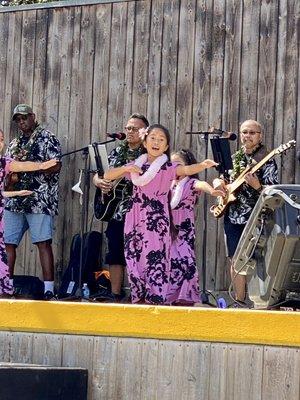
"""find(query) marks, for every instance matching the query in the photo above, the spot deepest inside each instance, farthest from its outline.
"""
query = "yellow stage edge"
(278, 328)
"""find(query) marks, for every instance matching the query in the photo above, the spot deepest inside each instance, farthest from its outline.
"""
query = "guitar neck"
(241, 179)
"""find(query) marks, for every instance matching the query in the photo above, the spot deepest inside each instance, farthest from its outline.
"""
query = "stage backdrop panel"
(86, 65)
(138, 369)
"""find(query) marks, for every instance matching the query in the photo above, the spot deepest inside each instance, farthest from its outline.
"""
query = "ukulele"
(13, 177)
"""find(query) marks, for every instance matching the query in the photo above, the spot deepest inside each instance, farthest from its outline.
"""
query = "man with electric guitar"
(243, 190)
(112, 203)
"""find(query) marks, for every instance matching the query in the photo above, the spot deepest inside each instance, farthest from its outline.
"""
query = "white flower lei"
(177, 192)
(142, 180)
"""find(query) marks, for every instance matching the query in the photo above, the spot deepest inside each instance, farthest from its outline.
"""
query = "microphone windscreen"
(117, 135)
(122, 135)
(232, 136)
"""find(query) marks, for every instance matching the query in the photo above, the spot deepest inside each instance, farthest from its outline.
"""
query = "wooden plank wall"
(127, 368)
(188, 64)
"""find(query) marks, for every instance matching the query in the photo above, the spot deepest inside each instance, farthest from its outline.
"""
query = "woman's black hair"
(188, 158)
(165, 131)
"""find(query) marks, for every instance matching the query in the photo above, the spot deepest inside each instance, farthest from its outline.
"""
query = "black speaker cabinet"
(35, 382)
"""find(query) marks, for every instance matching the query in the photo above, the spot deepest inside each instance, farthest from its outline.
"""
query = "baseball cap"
(23, 109)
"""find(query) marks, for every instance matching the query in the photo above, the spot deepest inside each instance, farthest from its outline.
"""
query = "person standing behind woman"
(147, 224)
(238, 212)
(184, 280)
(8, 165)
(36, 212)
(127, 151)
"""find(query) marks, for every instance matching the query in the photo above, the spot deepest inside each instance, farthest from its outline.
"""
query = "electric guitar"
(223, 202)
(105, 204)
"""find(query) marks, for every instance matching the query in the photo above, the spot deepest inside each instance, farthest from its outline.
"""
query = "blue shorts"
(233, 232)
(16, 224)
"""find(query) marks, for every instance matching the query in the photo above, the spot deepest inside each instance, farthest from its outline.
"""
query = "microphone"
(117, 135)
(230, 136)
(224, 134)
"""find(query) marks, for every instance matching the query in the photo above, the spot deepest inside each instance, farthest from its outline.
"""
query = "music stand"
(93, 150)
(222, 154)
(98, 158)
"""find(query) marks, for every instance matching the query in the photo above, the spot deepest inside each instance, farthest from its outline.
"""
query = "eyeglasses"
(250, 132)
(21, 118)
(131, 129)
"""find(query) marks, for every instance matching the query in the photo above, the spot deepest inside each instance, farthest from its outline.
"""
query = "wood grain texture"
(138, 369)
(186, 64)
(280, 369)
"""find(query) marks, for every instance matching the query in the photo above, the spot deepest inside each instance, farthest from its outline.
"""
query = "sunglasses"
(21, 118)
(131, 129)
(252, 133)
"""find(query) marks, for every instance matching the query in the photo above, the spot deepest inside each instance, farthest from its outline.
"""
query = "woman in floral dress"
(184, 285)
(147, 226)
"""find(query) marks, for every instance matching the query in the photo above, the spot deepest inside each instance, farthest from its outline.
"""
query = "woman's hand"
(14, 193)
(219, 184)
(132, 169)
(209, 163)
(24, 192)
(218, 193)
(48, 164)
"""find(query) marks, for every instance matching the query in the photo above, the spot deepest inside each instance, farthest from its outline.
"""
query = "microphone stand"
(204, 293)
(84, 212)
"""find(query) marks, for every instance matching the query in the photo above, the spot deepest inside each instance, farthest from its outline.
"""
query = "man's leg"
(46, 259)
(115, 256)
(41, 229)
(116, 278)
(233, 232)
(15, 226)
(239, 284)
(11, 258)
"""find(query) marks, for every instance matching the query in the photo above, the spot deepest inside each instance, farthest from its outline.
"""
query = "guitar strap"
(241, 160)
(258, 154)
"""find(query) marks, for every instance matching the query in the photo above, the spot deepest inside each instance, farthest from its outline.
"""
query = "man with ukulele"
(36, 211)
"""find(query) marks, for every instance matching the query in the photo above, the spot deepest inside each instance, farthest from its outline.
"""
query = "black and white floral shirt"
(240, 210)
(42, 146)
(118, 157)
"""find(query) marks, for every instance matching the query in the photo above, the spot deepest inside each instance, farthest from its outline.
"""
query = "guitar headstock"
(285, 146)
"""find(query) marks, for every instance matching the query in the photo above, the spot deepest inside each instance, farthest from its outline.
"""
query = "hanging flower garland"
(242, 160)
(125, 154)
(239, 163)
